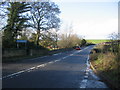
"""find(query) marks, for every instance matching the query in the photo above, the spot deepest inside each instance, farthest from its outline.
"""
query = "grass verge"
(107, 66)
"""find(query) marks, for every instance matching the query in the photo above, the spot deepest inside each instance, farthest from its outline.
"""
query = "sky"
(92, 19)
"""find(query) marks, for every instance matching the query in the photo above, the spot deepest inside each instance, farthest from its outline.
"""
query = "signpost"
(21, 41)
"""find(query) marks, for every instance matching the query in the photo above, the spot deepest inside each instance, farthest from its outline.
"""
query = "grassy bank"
(107, 65)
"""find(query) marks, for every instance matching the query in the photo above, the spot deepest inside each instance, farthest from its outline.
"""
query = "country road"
(63, 70)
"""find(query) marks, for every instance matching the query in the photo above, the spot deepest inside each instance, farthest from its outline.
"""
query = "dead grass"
(108, 65)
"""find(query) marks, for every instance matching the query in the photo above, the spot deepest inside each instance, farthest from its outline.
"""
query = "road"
(63, 70)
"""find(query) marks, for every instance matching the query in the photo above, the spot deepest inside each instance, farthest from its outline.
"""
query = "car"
(77, 48)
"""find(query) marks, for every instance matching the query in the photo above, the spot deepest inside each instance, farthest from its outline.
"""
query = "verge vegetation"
(106, 62)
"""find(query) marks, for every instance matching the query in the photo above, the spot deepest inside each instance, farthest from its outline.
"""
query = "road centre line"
(57, 60)
(27, 70)
(32, 68)
(13, 74)
(39, 66)
(55, 54)
(64, 57)
(51, 62)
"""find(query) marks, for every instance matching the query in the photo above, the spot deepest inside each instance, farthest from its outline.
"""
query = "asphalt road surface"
(63, 70)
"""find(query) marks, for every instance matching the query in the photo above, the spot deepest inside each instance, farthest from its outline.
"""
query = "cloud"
(97, 28)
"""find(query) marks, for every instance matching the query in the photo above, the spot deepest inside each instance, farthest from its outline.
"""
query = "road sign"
(21, 41)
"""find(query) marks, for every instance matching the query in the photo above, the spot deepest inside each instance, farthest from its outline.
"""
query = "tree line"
(37, 22)
(37, 16)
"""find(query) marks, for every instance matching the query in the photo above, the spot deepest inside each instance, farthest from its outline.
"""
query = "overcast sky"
(95, 19)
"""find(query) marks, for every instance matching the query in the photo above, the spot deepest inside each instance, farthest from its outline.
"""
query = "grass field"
(96, 41)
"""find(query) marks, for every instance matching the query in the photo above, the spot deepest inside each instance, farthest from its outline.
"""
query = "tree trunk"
(37, 37)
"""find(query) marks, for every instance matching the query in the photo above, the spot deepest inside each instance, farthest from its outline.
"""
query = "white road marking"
(86, 76)
(93, 75)
(83, 83)
(63, 57)
(86, 82)
(42, 65)
(32, 68)
(50, 62)
(71, 54)
(55, 54)
(13, 74)
(57, 60)
(86, 73)
(29, 71)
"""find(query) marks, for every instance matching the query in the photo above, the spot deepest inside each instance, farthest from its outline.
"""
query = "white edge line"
(83, 83)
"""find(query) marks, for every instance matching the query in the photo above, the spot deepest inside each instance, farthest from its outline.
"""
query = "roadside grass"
(107, 65)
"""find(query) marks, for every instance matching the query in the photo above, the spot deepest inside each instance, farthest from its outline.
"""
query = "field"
(96, 41)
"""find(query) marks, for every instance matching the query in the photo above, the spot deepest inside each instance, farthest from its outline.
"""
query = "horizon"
(92, 20)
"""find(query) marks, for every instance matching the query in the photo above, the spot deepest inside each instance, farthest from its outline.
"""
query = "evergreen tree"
(15, 23)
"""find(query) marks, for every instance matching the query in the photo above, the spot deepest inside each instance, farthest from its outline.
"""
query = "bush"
(94, 56)
(83, 42)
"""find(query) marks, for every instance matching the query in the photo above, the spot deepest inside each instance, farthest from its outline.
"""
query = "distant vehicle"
(77, 48)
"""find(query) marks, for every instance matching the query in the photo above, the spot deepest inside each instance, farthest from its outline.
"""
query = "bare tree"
(44, 16)
(115, 42)
(3, 14)
(69, 41)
